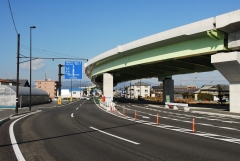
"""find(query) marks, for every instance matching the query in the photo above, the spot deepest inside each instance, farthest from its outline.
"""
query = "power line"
(12, 16)
(46, 51)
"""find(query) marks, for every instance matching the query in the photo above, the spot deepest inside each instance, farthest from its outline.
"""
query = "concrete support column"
(108, 86)
(228, 64)
(168, 90)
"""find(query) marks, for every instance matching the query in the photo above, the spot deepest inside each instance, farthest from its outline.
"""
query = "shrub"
(205, 96)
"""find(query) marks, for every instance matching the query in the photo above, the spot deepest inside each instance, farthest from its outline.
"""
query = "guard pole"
(59, 100)
(193, 125)
(123, 112)
(157, 121)
(135, 115)
(116, 111)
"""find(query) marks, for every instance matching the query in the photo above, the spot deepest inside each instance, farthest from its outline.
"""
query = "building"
(50, 86)
(156, 91)
(9, 82)
(22, 82)
(13, 82)
(180, 89)
(72, 92)
(138, 89)
(213, 90)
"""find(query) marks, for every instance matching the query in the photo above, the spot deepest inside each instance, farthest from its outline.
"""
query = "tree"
(220, 92)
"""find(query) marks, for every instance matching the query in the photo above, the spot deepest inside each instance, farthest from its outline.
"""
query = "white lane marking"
(72, 115)
(133, 142)
(182, 130)
(190, 116)
(82, 103)
(13, 140)
(145, 117)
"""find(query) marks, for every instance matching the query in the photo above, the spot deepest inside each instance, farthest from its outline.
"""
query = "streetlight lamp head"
(32, 27)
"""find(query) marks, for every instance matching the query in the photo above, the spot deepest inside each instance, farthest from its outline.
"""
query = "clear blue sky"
(87, 28)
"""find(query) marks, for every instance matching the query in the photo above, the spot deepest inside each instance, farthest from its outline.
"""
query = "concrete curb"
(13, 116)
(191, 109)
(4, 120)
(217, 114)
(19, 114)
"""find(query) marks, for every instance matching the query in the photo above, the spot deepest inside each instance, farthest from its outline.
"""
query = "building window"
(146, 91)
(146, 86)
(39, 82)
(74, 92)
(39, 86)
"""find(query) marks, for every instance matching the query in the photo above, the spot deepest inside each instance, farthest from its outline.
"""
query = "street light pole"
(30, 104)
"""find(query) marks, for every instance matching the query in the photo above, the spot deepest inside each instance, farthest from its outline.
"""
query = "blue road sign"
(73, 70)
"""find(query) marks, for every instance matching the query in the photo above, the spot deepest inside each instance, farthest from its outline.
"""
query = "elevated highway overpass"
(206, 45)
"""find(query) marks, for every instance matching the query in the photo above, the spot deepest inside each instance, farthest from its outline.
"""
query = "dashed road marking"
(184, 130)
(133, 142)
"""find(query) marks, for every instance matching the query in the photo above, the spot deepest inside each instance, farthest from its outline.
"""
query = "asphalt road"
(83, 131)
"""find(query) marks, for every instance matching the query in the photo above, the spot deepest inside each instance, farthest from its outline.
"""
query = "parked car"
(83, 97)
(223, 100)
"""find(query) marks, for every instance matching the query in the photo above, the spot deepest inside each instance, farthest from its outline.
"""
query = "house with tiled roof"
(213, 90)
(13, 82)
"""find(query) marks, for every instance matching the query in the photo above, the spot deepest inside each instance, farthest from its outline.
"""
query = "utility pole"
(17, 89)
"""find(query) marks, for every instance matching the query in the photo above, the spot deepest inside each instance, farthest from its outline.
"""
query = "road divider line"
(82, 103)
(133, 142)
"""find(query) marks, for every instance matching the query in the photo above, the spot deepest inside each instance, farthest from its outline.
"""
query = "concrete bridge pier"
(168, 89)
(108, 86)
(228, 64)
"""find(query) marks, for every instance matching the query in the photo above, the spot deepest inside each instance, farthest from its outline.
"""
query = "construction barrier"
(103, 98)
